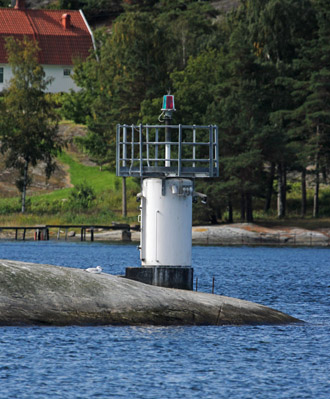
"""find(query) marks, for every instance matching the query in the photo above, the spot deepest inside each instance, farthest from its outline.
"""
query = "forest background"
(260, 71)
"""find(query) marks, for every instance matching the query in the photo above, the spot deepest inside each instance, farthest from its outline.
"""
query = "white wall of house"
(62, 82)
(5, 76)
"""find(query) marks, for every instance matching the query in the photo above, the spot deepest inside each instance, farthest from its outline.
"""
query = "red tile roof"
(58, 45)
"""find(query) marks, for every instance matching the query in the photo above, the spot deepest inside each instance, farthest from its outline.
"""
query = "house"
(61, 35)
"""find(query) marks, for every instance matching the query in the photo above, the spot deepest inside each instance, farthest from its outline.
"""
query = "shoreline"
(227, 234)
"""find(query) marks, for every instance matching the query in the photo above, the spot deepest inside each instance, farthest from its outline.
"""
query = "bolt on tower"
(168, 158)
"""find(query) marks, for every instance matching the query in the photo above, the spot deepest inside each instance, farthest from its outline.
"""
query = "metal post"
(147, 143)
(194, 147)
(124, 198)
(211, 149)
(156, 146)
(168, 141)
(216, 149)
(132, 148)
(180, 150)
(141, 149)
(124, 145)
(118, 149)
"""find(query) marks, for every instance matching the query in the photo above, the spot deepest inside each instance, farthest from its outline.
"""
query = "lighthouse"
(167, 158)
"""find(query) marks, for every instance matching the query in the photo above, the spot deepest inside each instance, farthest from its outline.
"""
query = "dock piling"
(40, 233)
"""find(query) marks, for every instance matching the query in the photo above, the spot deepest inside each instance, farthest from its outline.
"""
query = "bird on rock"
(95, 270)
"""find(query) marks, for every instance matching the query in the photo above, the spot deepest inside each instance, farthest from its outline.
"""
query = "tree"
(93, 9)
(194, 86)
(28, 126)
(246, 94)
(308, 119)
(227, 87)
(314, 84)
(148, 41)
(241, 107)
(189, 30)
(277, 28)
(127, 68)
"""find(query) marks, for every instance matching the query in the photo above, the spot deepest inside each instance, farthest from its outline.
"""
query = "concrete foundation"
(163, 276)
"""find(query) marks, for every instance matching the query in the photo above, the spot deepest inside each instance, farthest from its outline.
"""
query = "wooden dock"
(41, 232)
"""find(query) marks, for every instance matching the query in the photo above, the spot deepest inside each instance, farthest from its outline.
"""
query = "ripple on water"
(244, 362)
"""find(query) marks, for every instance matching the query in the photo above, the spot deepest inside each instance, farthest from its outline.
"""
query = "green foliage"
(189, 30)
(325, 203)
(82, 196)
(250, 109)
(277, 26)
(91, 174)
(74, 106)
(46, 206)
(28, 120)
(195, 87)
(262, 76)
(8, 206)
(61, 206)
(92, 8)
(132, 65)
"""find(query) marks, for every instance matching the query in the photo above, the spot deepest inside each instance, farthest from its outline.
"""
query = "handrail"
(152, 154)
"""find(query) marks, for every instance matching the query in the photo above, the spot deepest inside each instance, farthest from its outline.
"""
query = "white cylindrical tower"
(166, 221)
(167, 158)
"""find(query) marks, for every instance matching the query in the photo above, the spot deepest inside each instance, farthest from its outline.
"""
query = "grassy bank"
(96, 198)
(64, 207)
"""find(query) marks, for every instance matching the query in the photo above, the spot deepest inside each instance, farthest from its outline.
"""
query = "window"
(66, 72)
(1, 74)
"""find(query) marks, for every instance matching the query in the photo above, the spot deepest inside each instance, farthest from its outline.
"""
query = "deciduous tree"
(28, 121)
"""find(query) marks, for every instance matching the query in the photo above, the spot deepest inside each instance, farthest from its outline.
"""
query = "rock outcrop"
(38, 294)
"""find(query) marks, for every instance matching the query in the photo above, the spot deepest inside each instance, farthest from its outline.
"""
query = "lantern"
(168, 103)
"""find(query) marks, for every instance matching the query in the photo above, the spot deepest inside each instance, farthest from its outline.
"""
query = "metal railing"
(142, 151)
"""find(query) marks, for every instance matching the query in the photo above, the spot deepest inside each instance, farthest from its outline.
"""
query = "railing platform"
(146, 151)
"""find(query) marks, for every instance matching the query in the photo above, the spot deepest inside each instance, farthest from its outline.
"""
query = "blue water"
(181, 362)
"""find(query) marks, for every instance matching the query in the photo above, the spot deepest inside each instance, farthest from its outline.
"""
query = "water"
(181, 362)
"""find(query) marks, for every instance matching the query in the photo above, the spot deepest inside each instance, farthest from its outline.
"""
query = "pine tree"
(277, 28)
(309, 120)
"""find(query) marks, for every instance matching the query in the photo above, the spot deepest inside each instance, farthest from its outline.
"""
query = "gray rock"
(52, 295)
